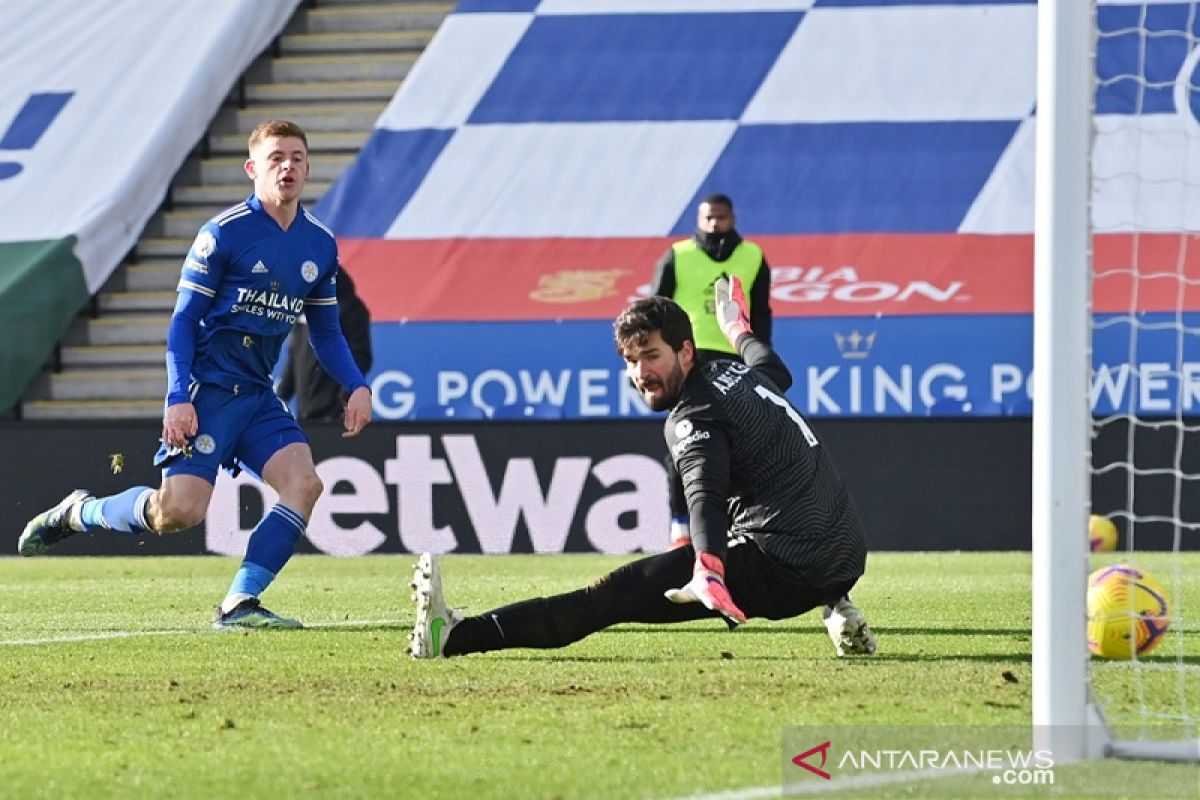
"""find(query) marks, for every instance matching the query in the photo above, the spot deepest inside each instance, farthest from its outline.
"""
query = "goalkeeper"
(686, 274)
(774, 531)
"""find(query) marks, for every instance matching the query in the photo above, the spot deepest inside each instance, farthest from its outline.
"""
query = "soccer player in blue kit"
(252, 270)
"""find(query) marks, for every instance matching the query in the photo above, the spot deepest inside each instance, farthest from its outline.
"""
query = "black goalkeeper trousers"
(635, 593)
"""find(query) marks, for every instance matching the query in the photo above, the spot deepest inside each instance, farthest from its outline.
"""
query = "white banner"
(101, 103)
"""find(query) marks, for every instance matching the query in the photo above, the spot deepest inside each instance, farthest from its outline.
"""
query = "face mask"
(717, 245)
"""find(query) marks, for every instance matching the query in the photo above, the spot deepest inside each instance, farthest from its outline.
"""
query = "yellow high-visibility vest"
(695, 273)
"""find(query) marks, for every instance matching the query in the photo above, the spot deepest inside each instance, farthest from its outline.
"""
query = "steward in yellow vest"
(687, 271)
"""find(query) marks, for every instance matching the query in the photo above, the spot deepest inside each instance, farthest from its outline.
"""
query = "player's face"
(657, 371)
(279, 167)
(714, 218)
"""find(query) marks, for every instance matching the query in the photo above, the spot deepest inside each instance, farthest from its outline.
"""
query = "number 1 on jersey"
(767, 394)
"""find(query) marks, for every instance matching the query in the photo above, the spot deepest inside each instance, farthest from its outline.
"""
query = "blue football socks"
(271, 545)
(122, 513)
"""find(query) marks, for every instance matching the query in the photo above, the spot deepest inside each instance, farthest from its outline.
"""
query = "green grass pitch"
(113, 685)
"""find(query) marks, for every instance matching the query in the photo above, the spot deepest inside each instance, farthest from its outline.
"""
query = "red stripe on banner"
(1146, 272)
(499, 279)
(826, 276)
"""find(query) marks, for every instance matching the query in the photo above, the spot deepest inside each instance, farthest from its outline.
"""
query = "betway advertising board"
(591, 486)
(596, 486)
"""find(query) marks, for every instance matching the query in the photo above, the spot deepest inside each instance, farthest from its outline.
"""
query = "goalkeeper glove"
(707, 586)
(731, 306)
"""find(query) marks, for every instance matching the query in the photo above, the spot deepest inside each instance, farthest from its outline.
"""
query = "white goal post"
(1066, 718)
(1061, 364)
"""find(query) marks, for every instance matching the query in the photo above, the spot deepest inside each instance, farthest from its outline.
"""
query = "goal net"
(1130, 411)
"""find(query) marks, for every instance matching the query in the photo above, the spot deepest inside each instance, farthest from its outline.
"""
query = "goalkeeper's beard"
(668, 389)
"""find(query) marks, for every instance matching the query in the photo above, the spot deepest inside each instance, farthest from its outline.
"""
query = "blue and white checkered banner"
(541, 156)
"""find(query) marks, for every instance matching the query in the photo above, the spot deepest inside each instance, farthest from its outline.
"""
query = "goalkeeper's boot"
(434, 619)
(52, 526)
(250, 614)
(848, 629)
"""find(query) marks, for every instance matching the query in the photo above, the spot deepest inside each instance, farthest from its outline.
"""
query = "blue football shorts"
(237, 431)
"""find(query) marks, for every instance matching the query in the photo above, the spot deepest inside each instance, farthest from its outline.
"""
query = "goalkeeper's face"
(657, 371)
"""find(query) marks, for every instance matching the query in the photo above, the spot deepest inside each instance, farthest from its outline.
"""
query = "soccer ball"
(1127, 610)
(1102, 534)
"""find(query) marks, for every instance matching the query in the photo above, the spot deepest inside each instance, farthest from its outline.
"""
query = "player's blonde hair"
(276, 127)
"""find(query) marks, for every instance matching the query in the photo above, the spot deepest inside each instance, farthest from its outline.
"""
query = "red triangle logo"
(823, 749)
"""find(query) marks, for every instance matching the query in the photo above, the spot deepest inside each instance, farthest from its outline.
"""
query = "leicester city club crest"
(308, 271)
(205, 444)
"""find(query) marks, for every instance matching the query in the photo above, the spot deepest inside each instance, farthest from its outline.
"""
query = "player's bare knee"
(175, 522)
(309, 486)
(172, 517)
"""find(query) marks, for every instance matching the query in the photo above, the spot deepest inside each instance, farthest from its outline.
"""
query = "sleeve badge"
(204, 245)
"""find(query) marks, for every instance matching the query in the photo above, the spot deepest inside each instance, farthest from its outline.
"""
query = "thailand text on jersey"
(260, 278)
(733, 434)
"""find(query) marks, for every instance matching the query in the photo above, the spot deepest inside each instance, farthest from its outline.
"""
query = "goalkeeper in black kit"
(774, 530)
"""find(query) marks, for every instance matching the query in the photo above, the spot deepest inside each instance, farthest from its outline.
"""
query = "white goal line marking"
(868, 780)
(90, 637)
(105, 635)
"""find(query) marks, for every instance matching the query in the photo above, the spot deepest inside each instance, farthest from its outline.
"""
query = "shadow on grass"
(559, 656)
(884, 657)
(552, 656)
(1022, 632)
(1155, 659)
(816, 627)
(983, 658)
(627, 628)
(357, 627)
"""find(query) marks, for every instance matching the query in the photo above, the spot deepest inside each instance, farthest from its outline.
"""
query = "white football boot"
(53, 525)
(848, 629)
(434, 619)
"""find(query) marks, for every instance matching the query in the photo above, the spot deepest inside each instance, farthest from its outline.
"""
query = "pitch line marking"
(868, 780)
(90, 637)
(107, 635)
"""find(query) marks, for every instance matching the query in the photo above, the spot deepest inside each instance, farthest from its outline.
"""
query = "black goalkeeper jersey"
(751, 466)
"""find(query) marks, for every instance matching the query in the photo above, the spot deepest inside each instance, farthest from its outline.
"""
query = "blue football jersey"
(260, 278)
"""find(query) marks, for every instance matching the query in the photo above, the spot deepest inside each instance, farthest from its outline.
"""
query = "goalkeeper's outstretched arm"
(735, 323)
